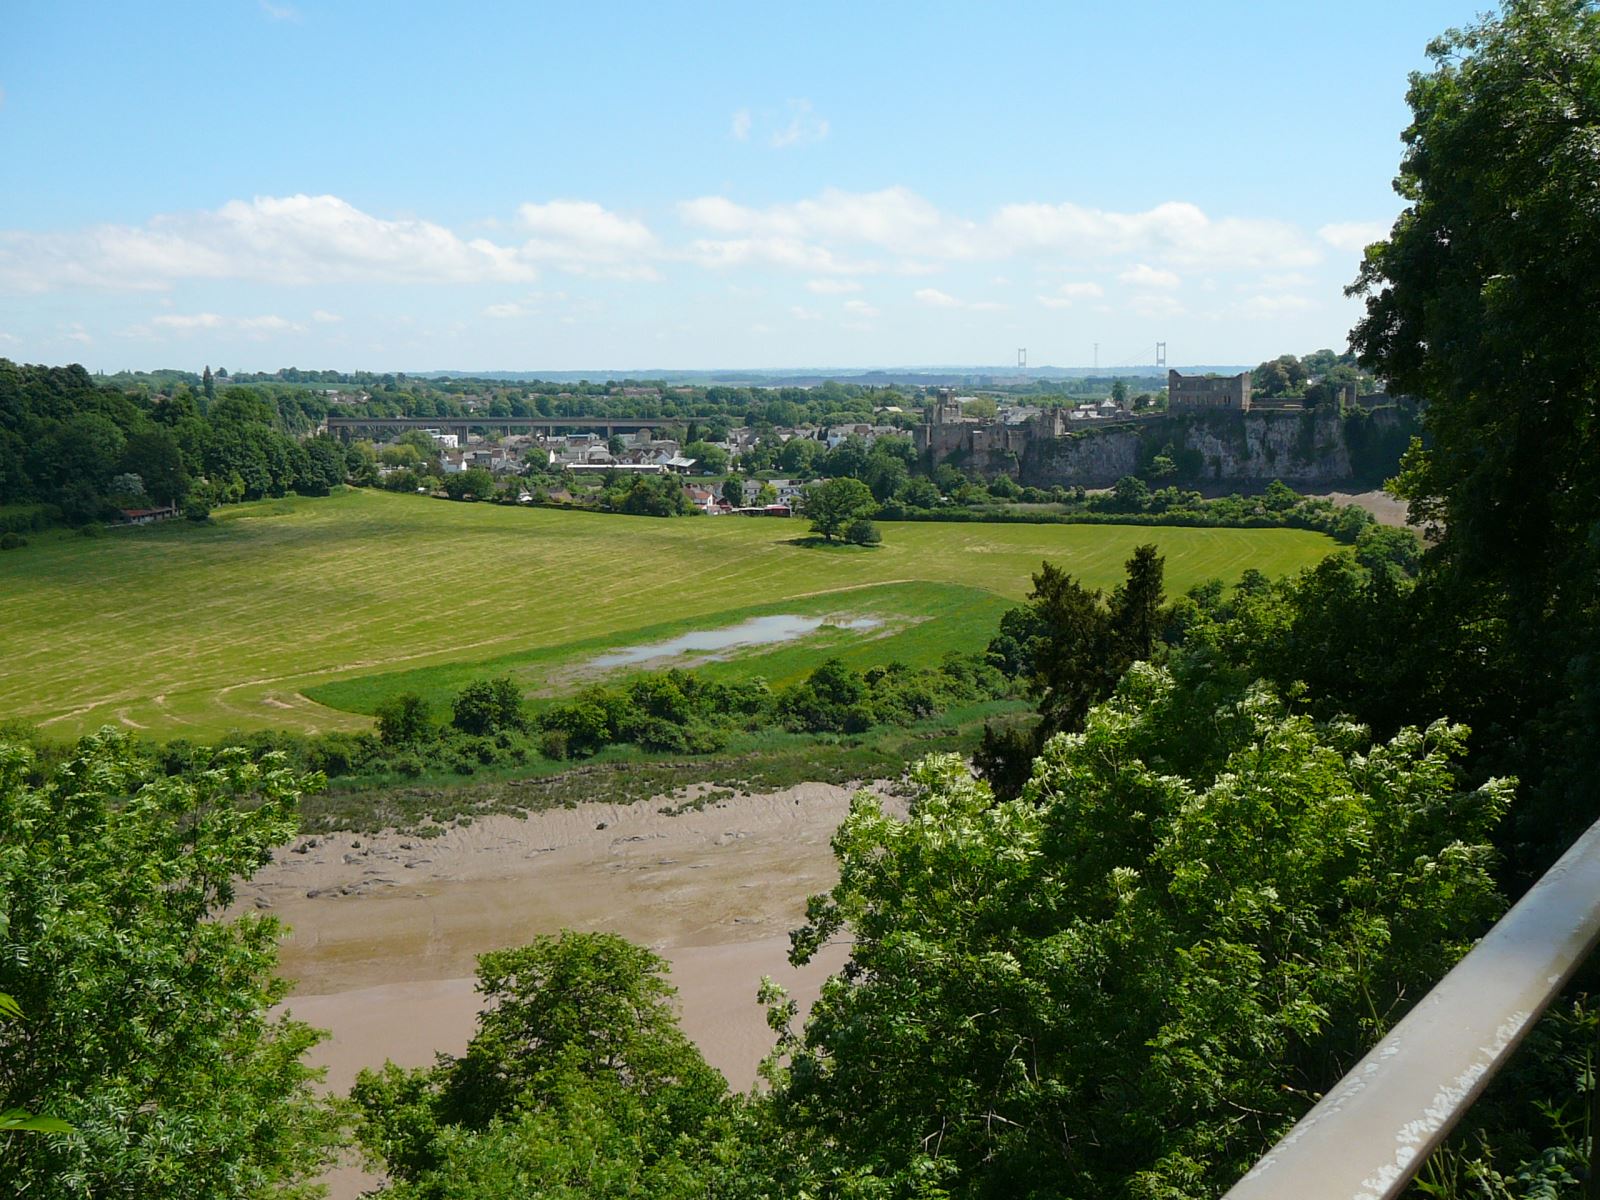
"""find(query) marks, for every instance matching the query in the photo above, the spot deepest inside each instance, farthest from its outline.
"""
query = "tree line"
(74, 449)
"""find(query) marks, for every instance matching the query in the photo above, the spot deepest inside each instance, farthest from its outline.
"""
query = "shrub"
(863, 532)
(487, 706)
(404, 720)
(12, 541)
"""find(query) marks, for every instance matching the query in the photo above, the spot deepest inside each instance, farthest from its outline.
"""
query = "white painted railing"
(1376, 1127)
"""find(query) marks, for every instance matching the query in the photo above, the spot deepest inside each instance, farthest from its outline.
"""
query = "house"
(147, 516)
(703, 498)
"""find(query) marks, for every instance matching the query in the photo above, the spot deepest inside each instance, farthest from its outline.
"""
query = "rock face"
(1319, 447)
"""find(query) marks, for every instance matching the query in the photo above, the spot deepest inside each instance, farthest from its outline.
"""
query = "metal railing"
(1376, 1127)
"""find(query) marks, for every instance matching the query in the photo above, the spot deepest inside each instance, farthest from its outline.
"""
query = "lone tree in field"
(835, 504)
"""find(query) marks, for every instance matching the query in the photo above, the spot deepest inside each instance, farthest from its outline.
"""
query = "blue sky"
(396, 186)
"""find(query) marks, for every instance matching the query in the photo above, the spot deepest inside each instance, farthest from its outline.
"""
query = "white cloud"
(804, 126)
(1271, 306)
(762, 329)
(934, 298)
(1354, 236)
(1069, 293)
(739, 128)
(832, 287)
(1155, 304)
(859, 228)
(801, 313)
(502, 311)
(185, 324)
(1176, 231)
(280, 12)
(323, 317)
(860, 308)
(267, 325)
(281, 240)
(323, 239)
(1143, 275)
(790, 253)
(584, 238)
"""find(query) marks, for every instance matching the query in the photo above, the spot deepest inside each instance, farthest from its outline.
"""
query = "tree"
(834, 503)
(156, 458)
(919, 493)
(1131, 980)
(208, 385)
(147, 1013)
(1282, 376)
(709, 459)
(20, 1120)
(885, 476)
(1119, 393)
(848, 458)
(577, 1083)
(487, 706)
(1069, 647)
(474, 483)
(1128, 494)
(862, 532)
(1485, 302)
(404, 720)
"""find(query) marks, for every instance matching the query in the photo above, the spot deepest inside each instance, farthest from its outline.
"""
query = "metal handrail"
(1376, 1127)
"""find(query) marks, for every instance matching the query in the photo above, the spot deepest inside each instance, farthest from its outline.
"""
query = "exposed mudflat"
(1384, 507)
(385, 928)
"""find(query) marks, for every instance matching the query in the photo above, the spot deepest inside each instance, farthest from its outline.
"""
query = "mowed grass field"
(249, 622)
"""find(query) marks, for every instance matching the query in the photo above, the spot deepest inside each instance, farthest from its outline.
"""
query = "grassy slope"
(195, 630)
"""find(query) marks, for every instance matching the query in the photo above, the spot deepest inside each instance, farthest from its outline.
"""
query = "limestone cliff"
(1321, 447)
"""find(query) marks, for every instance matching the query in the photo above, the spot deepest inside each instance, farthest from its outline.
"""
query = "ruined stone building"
(1229, 393)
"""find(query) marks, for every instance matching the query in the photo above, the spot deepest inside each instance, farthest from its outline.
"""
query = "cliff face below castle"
(1321, 447)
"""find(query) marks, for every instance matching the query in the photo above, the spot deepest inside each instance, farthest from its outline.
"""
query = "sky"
(396, 186)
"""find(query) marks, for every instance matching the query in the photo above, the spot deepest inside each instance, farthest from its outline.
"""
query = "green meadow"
(305, 613)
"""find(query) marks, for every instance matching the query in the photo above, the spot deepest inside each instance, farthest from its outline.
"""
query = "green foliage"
(475, 483)
(1131, 980)
(578, 1082)
(1484, 301)
(404, 720)
(835, 504)
(147, 1025)
(20, 1120)
(487, 706)
(862, 532)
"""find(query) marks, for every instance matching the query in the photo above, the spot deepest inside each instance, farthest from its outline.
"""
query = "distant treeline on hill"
(73, 449)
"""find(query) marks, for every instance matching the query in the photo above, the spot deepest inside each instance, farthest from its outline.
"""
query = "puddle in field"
(757, 631)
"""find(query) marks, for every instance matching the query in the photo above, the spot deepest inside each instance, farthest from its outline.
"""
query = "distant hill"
(932, 376)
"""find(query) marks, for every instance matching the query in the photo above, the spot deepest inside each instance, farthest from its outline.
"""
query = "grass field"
(302, 614)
